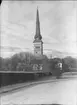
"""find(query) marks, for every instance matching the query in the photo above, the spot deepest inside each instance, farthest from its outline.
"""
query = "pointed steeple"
(38, 35)
(38, 44)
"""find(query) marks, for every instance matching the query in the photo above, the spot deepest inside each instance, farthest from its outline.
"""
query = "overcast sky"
(57, 25)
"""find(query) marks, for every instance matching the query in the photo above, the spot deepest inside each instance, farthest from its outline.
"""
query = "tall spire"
(37, 35)
(38, 44)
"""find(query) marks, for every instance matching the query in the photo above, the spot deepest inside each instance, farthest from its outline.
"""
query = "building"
(38, 44)
(40, 62)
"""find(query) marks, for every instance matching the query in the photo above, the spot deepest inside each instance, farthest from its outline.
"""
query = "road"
(61, 91)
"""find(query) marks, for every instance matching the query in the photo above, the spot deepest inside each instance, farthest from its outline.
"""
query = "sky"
(57, 25)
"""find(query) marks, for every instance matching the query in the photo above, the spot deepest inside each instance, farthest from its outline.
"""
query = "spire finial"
(37, 7)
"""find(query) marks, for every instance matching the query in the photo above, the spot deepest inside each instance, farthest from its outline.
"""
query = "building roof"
(37, 35)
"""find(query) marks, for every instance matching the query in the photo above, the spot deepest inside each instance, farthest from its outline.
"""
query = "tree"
(69, 63)
(22, 61)
(14, 62)
(1, 62)
(5, 64)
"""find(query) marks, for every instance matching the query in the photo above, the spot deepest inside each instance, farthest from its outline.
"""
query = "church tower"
(38, 44)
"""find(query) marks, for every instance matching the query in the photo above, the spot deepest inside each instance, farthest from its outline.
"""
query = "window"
(35, 67)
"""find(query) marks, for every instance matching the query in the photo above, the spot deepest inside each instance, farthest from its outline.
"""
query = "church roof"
(38, 35)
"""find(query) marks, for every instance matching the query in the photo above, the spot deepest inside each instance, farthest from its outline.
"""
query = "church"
(41, 61)
(38, 43)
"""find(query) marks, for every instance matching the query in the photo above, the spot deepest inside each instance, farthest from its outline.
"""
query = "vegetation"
(69, 64)
(23, 61)
(18, 62)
